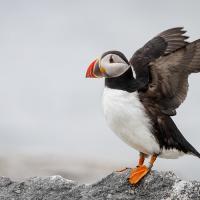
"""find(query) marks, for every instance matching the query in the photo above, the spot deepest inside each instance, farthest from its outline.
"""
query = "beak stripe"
(90, 73)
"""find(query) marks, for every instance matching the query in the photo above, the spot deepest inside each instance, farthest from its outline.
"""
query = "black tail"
(195, 153)
(172, 137)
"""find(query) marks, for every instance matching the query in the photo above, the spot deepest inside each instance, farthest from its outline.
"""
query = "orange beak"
(90, 70)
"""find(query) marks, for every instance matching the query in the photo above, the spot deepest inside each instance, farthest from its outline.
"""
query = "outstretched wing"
(163, 65)
(169, 76)
(163, 44)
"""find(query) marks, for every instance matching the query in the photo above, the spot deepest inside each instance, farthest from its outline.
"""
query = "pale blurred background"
(51, 119)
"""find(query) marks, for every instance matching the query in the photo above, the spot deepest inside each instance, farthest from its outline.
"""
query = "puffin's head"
(110, 64)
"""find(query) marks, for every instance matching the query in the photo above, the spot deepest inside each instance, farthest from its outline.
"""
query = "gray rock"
(156, 185)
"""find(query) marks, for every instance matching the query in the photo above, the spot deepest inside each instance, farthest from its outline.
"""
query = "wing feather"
(170, 76)
(170, 59)
(163, 44)
(174, 38)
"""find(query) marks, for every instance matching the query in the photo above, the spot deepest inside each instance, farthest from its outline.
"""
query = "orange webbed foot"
(137, 174)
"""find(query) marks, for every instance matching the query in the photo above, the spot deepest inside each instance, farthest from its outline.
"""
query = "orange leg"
(140, 162)
(141, 159)
(152, 160)
(138, 173)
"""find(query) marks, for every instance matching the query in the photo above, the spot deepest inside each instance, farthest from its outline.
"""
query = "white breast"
(125, 115)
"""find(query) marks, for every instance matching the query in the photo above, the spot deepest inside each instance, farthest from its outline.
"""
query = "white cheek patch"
(113, 68)
(116, 69)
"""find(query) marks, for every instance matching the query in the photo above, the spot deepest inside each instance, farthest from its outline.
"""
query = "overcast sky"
(47, 105)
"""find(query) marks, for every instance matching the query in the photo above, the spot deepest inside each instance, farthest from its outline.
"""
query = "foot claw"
(137, 174)
(121, 170)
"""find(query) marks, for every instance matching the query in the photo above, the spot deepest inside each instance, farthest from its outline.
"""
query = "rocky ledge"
(156, 185)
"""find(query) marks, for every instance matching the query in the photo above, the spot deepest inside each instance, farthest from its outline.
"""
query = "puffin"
(141, 95)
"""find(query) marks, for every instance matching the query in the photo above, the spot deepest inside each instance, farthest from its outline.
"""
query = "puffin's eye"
(111, 59)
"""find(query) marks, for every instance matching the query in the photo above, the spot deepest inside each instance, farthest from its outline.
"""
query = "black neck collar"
(128, 83)
(124, 82)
